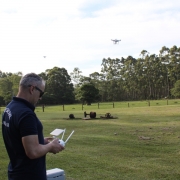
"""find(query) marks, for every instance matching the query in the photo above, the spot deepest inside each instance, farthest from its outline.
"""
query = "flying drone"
(115, 41)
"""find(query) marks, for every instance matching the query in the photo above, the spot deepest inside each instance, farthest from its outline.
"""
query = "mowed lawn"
(140, 143)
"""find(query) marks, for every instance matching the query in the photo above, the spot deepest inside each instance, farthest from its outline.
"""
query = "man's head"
(31, 88)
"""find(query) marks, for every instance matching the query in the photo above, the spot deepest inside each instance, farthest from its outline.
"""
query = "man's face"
(38, 93)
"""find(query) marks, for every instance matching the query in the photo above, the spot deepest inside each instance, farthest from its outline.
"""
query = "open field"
(110, 105)
(142, 144)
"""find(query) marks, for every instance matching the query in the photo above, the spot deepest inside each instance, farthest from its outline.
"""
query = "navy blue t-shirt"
(19, 120)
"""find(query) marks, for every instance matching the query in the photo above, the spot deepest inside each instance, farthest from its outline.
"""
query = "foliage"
(176, 90)
(2, 102)
(59, 89)
(88, 93)
(76, 76)
(148, 77)
(9, 86)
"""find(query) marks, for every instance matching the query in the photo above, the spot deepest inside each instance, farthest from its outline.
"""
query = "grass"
(142, 144)
(113, 105)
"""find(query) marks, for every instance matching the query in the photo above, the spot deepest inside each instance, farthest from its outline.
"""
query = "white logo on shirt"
(8, 111)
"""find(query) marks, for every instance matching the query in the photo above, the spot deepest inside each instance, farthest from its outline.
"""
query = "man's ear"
(31, 89)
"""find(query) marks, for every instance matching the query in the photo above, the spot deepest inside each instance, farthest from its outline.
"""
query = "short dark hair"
(31, 79)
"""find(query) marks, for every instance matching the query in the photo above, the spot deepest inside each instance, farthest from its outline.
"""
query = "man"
(23, 132)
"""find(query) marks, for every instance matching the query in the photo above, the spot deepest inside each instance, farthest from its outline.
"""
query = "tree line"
(148, 77)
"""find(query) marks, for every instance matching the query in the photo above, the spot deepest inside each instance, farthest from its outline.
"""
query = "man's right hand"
(55, 146)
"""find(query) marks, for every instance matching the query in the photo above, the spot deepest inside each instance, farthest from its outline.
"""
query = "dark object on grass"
(107, 116)
(71, 116)
(91, 114)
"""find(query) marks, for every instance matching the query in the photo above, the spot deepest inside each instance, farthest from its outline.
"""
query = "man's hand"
(56, 147)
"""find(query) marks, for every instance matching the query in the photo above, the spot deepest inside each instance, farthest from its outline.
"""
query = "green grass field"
(143, 143)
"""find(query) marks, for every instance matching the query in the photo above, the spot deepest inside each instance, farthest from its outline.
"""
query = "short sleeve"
(28, 125)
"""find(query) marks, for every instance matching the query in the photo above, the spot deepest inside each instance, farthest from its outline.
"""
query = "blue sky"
(78, 33)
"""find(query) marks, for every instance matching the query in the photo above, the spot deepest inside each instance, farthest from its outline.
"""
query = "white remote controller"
(61, 142)
(57, 132)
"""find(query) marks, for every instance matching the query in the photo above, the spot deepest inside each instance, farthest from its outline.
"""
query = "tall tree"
(88, 93)
(176, 90)
(6, 89)
(59, 86)
(76, 75)
(9, 84)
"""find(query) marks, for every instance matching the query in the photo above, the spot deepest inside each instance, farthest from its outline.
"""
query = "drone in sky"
(115, 41)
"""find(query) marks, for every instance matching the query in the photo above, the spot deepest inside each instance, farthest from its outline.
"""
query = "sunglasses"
(41, 92)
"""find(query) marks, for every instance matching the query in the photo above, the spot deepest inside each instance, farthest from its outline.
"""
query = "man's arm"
(35, 150)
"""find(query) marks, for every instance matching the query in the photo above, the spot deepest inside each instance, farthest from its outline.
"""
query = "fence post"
(149, 103)
(82, 106)
(167, 101)
(98, 105)
(63, 107)
(43, 107)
